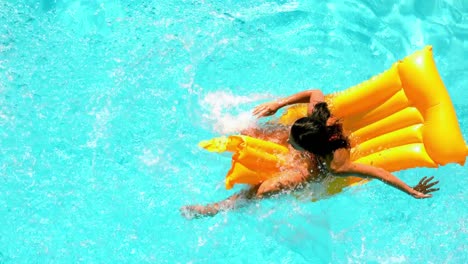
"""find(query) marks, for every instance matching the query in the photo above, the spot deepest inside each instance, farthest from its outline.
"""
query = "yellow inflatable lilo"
(402, 118)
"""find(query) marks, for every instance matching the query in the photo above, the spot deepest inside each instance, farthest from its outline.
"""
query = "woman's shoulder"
(338, 159)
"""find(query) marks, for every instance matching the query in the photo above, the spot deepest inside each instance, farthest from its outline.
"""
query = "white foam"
(227, 113)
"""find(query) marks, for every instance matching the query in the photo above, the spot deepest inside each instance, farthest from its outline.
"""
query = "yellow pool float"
(402, 118)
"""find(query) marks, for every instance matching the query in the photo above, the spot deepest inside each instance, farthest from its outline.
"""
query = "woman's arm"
(342, 166)
(309, 96)
(315, 98)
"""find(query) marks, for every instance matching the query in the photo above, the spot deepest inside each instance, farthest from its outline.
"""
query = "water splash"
(227, 113)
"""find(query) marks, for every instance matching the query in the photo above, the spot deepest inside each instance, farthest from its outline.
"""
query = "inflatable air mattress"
(402, 118)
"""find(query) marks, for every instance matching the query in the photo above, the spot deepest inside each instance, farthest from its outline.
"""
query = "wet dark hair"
(312, 133)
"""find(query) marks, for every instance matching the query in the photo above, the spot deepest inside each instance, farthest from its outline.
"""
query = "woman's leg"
(235, 201)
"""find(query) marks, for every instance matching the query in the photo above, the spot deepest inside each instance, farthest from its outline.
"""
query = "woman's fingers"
(422, 180)
(428, 180)
(420, 195)
(257, 109)
(259, 113)
(262, 110)
(424, 195)
(432, 184)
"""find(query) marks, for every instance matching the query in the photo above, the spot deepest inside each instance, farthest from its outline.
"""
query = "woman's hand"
(266, 109)
(423, 188)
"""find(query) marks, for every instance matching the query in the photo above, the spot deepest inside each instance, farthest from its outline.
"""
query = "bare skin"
(309, 96)
(301, 163)
(294, 175)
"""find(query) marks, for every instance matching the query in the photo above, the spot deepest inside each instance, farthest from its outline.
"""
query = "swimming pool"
(102, 104)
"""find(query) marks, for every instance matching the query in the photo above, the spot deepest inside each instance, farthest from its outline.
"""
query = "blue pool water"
(102, 104)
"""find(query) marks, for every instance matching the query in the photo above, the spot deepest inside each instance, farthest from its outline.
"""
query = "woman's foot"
(198, 211)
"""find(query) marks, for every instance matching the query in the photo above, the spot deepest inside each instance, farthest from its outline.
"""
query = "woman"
(318, 148)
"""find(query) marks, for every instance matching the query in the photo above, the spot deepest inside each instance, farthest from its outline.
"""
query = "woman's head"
(312, 133)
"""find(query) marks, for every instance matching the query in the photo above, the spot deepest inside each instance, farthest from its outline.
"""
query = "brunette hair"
(312, 133)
